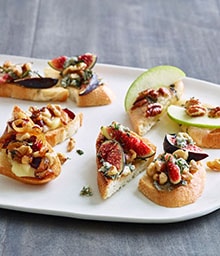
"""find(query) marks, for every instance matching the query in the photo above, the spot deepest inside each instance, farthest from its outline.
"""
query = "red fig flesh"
(173, 142)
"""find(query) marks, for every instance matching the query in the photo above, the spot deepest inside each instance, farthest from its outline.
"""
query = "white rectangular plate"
(61, 197)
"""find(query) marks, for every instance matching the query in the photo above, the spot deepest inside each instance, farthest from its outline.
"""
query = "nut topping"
(214, 112)
(214, 164)
(30, 150)
(170, 170)
(194, 108)
(153, 109)
(51, 116)
(151, 100)
(71, 144)
(10, 72)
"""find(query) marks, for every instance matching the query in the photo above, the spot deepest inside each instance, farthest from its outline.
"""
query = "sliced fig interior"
(181, 140)
(127, 139)
(112, 153)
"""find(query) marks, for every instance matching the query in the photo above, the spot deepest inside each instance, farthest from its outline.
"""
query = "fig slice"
(92, 85)
(173, 172)
(128, 139)
(181, 140)
(37, 82)
(112, 153)
(88, 58)
(62, 62)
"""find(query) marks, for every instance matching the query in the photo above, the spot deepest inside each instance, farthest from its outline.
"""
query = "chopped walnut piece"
(131, 155)
(62, 158)
(71, 144)
(193, 166)
(214, 165)
(163, 178)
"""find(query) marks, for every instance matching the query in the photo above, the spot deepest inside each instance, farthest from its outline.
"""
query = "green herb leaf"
(86, 191)
(79, 151)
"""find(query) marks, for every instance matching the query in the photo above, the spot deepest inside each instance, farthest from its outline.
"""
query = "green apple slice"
(179, 115)
(152, 78)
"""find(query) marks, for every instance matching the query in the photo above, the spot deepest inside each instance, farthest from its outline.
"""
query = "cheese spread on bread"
(25, 154)
(57, 123)
(171, 181)
(204, 137)
(76, 75)
(151, 104)
(121, 155)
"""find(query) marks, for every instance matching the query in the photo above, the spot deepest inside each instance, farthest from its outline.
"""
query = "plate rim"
(103, 217)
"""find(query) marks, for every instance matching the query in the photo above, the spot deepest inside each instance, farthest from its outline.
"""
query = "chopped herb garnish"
(79, 151)
(86, 191)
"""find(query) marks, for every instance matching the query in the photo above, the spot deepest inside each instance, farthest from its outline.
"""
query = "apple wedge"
(152, 78)
(179, 115)
(150, 94)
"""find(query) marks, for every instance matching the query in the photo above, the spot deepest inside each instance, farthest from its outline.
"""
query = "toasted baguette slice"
(109, 179)
(145, 114)
(203, 137)
(13, 90)
(25, 155)
(187, 191)
(57, 123)
(11, 73)
(101, 95)
(108, 187)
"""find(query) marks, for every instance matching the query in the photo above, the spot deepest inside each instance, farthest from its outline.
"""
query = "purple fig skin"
(37, 82)
(93, 84)
(195, 152)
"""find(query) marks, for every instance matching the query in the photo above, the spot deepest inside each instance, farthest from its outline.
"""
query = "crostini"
(199, 120)
(121, 155)
(171, 181)
(150, 94)
(57, 123)
(76, 74)
(21, 82)
(25, 154)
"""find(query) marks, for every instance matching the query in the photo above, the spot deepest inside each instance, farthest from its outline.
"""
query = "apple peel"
(178, 114)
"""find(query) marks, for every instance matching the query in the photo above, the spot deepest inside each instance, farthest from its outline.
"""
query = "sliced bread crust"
(179, 196)
(108, 186)
(102, 95)
(12, 90)
(24, 145)
(203, 137)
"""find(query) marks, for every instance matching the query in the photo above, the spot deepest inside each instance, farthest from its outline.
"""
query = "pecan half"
(150, 96)
(153, 109)
(196, 110)
(192, 101)
(214, 112)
